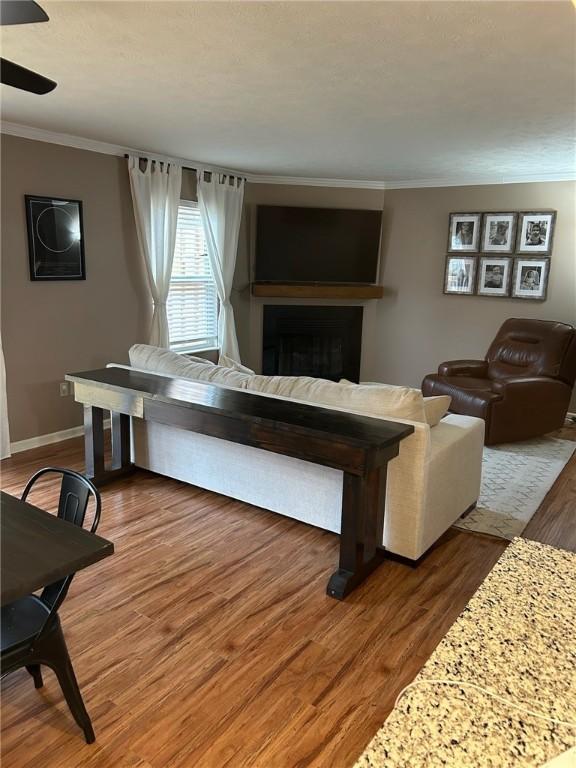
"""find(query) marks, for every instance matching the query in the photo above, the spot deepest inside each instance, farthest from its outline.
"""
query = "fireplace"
(323, 342)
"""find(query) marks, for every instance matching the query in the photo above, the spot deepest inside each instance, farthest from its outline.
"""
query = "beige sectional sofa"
(434, 479)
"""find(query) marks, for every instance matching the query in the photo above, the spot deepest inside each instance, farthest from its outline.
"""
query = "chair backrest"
(75, 493)
(525, 347)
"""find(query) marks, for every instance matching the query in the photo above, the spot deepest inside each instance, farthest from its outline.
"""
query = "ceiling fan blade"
(20, 77)
(21, 12)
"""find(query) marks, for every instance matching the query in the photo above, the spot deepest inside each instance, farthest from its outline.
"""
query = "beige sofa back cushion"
(227, 362)
(380, 400)
(163, 361)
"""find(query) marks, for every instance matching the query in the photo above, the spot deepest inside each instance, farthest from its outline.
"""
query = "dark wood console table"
(358, 445)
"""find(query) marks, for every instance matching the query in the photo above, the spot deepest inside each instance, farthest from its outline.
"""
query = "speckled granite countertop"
(517, 638)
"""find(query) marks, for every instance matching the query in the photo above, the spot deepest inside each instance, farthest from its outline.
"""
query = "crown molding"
(92, 145)
(305, 181)
(65, 139)
(468, 181)
(104, 148)
(479, 181)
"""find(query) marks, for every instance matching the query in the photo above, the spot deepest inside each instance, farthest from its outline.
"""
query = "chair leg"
(62, 666)
(67, 680)
(36, 673)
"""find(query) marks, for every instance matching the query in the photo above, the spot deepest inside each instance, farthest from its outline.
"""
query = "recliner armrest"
(534, 385)
(476, 368)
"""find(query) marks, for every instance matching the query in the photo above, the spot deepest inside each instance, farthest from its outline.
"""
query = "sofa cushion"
(435, 408)
(202, 360)
(380, 400)
(227, 362)
(164, 361)
(160, 360)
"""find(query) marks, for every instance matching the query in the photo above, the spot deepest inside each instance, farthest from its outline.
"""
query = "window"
(192, 301)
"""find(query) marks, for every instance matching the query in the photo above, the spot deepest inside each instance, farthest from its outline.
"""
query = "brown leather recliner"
(522, 388)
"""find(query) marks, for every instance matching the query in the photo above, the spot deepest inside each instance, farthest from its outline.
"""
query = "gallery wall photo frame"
(460, 275)
(55, 238)
(494, 275)
(499, 232)
(535, 233)
(464, 232)
(530, 278)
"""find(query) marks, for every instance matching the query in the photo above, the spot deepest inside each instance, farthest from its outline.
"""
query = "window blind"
(192, 301)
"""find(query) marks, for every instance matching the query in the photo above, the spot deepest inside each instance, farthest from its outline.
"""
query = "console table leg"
(361, 531)
(120, 440)
(94, 440)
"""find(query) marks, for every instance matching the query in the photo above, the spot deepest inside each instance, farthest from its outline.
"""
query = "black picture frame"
(55, 238)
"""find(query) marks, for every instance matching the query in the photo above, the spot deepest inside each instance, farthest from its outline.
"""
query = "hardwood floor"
(207, 640)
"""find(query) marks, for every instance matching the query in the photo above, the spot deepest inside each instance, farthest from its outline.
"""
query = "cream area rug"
(515, 479)
(500, 690)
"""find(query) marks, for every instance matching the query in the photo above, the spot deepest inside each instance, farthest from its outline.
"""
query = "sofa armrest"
(477, 368)
(454, 473)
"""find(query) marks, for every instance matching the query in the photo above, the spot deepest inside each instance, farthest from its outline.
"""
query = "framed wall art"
(536, 233)
(494, 273)
(530, 278)
(55, 238)
(498, 232)
(460, 275)
(464, 232)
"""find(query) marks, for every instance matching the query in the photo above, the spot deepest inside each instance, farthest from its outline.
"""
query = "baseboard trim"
(52, 437)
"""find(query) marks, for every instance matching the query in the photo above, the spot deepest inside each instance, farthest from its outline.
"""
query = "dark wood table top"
(37, 548)
(307, 420)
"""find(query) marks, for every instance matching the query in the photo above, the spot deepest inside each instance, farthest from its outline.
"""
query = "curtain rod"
(224, 172)
(141, 157)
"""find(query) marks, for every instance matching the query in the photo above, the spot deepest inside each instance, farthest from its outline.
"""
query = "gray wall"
(51, 328)
(415, 326)
(419, 326)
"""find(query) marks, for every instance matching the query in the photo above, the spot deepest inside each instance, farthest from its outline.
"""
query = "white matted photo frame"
(464, 232)
(498, 232)
(494, 273)
(530, 278)
(460, 275)
(536, 233)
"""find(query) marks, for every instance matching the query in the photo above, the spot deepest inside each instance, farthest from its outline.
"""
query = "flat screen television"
(316, 245)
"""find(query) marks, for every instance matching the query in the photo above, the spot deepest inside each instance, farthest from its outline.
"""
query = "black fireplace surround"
(324, 342)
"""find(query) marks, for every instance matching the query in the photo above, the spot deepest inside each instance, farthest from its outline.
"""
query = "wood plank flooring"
(207, 640)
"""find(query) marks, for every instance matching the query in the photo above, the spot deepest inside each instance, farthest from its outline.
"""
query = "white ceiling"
(349, 90)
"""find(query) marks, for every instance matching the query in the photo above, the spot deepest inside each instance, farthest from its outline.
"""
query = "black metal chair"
(30, 629)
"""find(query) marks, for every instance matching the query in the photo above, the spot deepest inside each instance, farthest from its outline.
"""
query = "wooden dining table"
(38, 548)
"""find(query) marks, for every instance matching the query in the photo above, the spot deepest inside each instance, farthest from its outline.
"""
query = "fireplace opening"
(323, 342)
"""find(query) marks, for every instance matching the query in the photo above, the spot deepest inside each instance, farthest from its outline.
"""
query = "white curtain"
(4, 428)
(220, 203)
(156, 196)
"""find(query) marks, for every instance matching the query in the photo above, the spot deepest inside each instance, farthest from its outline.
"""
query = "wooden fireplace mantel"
(317, 290)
